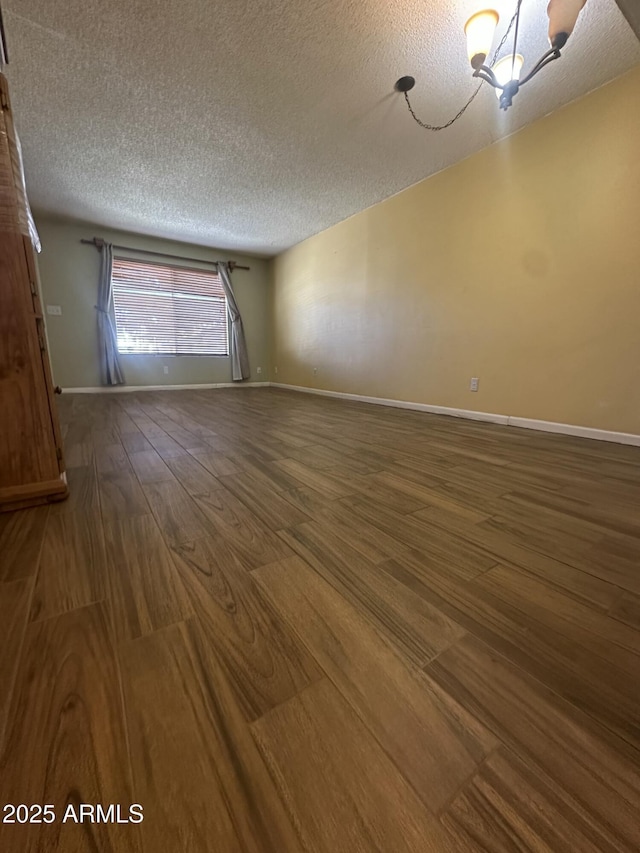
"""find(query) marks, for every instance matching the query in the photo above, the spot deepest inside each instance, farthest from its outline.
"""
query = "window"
(165, 310)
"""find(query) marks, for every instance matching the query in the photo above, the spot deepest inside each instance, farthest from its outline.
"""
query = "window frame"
(184, 268)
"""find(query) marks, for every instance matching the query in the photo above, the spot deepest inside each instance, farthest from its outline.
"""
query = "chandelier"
(505, 74)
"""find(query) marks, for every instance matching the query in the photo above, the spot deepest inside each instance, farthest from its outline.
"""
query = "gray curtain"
(239, 355)
(107, 342)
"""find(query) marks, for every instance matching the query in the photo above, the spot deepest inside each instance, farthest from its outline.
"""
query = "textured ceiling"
(252, 124)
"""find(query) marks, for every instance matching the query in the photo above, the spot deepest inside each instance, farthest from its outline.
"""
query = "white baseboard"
(400, 404)
(579, 431)
(469, 414)
(127, 389)
(507, 420)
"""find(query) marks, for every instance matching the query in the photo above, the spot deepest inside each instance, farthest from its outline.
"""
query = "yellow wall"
(69, 278)
(520, 266)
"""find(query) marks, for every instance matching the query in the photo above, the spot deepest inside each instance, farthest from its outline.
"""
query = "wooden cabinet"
(31, 462)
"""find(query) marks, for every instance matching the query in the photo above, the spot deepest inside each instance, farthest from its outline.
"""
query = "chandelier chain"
(515, 37)
(461, 112)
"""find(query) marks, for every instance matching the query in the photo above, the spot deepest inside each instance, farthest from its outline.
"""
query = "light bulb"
(507, 69)
(480, 29)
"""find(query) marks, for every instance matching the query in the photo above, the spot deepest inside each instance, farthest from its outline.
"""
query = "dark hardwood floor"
(287, 623)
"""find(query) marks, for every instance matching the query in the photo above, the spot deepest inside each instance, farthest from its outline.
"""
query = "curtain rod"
(98, 242)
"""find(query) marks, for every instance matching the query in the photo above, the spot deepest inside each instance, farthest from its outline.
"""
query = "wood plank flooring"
(292, 624)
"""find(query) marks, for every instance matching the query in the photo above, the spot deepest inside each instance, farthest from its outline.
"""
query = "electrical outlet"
(275, 370)
(166, 369)
(473, 385)
(259, 370)
(315, 371)
(54, 309)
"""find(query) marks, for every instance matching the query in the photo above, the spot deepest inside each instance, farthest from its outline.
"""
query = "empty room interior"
(320, 426)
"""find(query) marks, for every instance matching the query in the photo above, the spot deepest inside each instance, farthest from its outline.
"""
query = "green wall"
(69, 278)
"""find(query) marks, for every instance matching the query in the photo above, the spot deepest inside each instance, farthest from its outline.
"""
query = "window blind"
(168, 310)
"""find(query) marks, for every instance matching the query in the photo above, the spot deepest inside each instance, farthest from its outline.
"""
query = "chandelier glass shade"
(479, 30)
(506, 69)
(563, 15)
